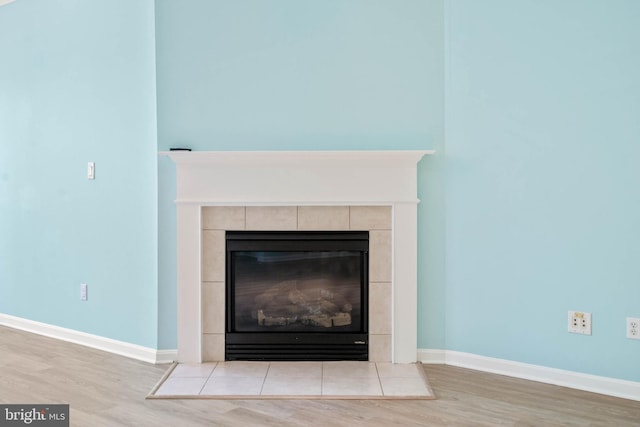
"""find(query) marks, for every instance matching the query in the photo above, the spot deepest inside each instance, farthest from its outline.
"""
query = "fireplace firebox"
(296, 295)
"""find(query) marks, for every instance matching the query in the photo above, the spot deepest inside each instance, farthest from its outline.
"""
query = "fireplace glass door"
(297, 295)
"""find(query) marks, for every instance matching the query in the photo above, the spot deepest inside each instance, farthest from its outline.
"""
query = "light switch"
(91, 170)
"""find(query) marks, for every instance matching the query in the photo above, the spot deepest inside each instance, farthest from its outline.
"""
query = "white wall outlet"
(580, 322)
(83, 291)
(91, 170)
(633, 328)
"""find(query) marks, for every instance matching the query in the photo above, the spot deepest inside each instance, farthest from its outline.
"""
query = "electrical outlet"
(83, 291)
(633, 328)
(580, 322)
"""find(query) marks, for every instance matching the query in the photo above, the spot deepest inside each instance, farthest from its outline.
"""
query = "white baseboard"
(432, 357)
(166, 356)
(593, 383)
(121, 348)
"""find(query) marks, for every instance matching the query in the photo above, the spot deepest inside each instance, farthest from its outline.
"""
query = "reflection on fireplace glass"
(297, 291)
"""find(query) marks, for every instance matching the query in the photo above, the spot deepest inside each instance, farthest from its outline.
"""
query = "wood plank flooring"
(108, 390)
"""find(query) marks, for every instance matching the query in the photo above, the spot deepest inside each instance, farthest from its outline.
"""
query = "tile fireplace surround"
(297, 190)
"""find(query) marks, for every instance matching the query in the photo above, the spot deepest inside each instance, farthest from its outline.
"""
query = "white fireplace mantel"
(297, 178)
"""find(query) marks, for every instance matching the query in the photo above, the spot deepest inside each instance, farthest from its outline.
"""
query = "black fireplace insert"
(297, 295)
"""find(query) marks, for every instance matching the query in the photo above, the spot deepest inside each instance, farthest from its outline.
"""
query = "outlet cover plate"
(579, 322)
(633, 328)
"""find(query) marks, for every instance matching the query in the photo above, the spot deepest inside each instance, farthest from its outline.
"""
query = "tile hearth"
(291, 380)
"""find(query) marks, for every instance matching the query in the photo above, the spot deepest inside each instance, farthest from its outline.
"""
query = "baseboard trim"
(432, 357)
(576, 380)
(121, 348)
(166, 356)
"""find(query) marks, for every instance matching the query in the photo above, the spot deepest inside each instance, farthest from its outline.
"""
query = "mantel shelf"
(302, 158)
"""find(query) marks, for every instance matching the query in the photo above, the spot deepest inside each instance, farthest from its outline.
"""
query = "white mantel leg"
(405, 279)
(189, 273)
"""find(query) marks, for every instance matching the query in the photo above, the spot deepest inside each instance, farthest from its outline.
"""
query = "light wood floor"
(108, 390)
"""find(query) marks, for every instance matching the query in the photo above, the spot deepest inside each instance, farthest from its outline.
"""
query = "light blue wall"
(293, 75)
(167, 255)
(76, 85)
(543, 207)
(255, 74)
(538, 101)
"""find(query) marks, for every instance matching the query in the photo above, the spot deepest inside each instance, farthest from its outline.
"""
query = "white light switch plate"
(91, 170)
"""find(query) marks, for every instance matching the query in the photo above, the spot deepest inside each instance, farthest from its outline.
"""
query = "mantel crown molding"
(387, 158)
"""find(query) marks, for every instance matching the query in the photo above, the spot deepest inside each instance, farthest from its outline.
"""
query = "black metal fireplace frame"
(297, 345)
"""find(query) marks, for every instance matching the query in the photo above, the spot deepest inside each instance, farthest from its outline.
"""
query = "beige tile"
(380, 308)
(349, 369)
(272, 218)
(380, 256)
(181, 387)
(223, 217)
(370, 217)
(197, 370)
(232, 386)
(292, 386)
(392, 386)
(295, 369)
(323, 217)
(213, 256)
(212, 347)
(241, 369)
(213, 304)
(380, 348)
(351, 386)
